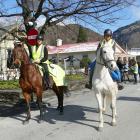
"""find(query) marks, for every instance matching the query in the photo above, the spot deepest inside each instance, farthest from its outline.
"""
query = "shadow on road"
(72, 114)
(9, 109)
(125, 98)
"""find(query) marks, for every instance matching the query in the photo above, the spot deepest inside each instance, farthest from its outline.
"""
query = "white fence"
(10, 74)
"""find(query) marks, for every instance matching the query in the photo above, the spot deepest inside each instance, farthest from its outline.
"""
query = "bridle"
(19, 57)
(105, 62)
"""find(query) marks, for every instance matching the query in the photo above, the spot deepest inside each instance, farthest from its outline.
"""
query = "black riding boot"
(120, 86)
(46, 74)
(89, 85)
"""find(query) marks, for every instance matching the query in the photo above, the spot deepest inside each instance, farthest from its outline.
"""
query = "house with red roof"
(79, 50)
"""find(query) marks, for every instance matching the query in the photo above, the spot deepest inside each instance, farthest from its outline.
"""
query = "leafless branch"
(56, 11)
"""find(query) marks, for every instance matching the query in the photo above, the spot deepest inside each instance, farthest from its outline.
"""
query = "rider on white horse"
(109, 42)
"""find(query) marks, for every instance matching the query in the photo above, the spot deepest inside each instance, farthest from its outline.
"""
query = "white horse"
(103, 85)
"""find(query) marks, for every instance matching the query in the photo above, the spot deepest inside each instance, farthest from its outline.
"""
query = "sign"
(31, 36)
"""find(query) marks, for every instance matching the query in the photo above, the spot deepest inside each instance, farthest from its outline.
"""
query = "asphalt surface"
(80, 119)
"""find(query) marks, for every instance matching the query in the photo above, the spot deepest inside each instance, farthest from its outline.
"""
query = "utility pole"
(126, 48)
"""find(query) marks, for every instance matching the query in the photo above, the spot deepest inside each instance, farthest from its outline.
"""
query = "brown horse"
(31, 81)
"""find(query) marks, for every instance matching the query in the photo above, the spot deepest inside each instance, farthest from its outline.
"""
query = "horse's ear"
(18, 44)
(15, 43)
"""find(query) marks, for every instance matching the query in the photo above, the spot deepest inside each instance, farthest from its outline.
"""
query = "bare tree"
(56, 11)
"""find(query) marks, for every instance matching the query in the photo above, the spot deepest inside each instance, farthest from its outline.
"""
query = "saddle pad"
(57, 73)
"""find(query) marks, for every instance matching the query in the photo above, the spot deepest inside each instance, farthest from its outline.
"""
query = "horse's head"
(19, 55)
(106, 55)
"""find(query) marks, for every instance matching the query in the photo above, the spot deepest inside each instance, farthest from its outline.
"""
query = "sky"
(127, 16)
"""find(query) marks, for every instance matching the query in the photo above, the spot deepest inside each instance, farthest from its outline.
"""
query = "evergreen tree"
(82, 36)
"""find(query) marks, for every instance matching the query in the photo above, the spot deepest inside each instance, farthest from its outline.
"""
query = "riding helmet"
(30, 23)
(108, 32)
(39, 37)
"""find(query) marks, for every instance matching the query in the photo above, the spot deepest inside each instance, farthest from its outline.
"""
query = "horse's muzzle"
(12, 66)
(112, 65)
(113, 68)
(16, 65)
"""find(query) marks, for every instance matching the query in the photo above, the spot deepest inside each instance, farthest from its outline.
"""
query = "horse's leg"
(61, 97)
(59, 93)
(99, 99)
(113, 107)
(27, 98)
(55, 89)
(104, 103)
(39, 102)
(32, 97)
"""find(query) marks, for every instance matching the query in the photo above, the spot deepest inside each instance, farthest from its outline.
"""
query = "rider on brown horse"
(39, 55)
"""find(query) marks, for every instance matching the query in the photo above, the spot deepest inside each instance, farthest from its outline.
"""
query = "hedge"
(14, 84)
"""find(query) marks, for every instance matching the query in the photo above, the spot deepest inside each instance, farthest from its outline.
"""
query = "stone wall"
(13, 96)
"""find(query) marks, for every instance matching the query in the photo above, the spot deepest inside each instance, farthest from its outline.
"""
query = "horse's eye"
(104, 51)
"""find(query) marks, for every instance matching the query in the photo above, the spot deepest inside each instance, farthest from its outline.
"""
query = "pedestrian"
(134, 69)
(125, 70)
(120, 66)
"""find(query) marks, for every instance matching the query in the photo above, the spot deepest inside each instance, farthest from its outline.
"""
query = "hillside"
(128, 36)
(69, 34)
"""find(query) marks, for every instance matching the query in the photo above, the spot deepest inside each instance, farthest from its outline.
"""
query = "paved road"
(80, 120)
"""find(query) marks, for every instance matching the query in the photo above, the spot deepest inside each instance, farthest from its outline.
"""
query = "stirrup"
(89, 86)
(120, 87)
(49, 86)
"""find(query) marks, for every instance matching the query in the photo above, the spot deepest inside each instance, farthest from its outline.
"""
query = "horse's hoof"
(67, 94)
(100, 129)
(61, 113)
(58, 108)
(40, 121)
(48, 104)
(25, 122)
(113, 123)
(104, 111)
(97, 110)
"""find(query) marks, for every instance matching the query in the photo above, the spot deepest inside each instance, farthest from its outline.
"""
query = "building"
(134, 51)
(6, 46)
(61, 52)
(78, 51)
